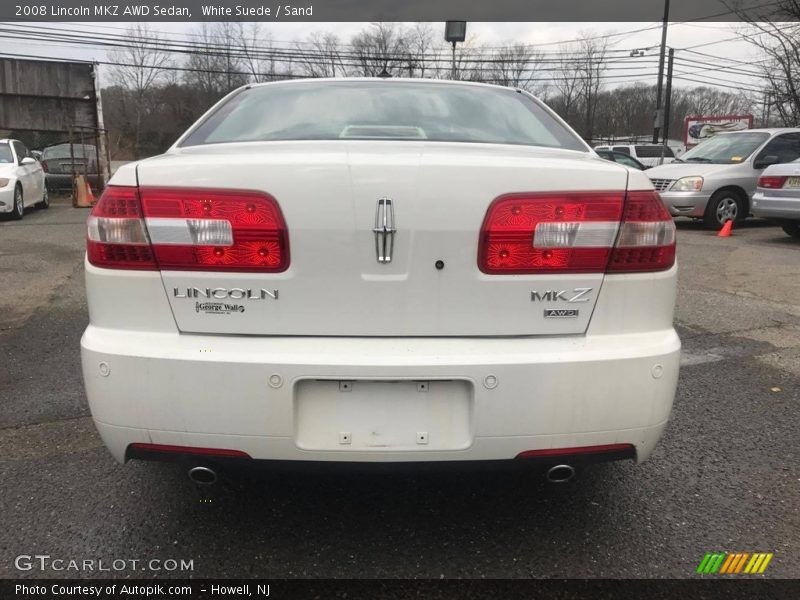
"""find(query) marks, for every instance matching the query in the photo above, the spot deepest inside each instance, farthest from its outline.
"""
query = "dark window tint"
(20, 149)
(63, 151)
(626, 160)
(383, 110)
(6, 156)
(786, 147)
(653, 151)
(623, 149)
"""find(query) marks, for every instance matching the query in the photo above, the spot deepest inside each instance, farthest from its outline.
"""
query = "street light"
(454, 32)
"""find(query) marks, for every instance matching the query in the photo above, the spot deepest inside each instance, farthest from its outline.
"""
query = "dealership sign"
(697, 129)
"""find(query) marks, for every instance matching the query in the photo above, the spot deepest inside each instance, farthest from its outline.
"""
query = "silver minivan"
(716, 179)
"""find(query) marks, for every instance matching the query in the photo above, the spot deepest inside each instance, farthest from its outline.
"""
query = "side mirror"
(765, 161)
(28, 161)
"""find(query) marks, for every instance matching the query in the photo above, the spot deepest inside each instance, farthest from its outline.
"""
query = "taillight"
(646, 240)
(45, 168)
(116, 237)
(771, 182)
(576, 232)
(187, 229)
(215, 230)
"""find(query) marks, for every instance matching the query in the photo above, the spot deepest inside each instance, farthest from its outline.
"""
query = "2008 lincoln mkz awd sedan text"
(373, 270)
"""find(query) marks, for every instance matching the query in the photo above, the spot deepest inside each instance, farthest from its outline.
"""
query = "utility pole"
(455, 31)
(767, 106)
(659, 85)
(667, 104)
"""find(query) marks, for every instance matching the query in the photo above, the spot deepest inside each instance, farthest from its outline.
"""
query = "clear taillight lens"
(115, 232)
(646, 239)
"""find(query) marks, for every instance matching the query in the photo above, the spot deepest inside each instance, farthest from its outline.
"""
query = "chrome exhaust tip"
(560, 474)
(203, 475)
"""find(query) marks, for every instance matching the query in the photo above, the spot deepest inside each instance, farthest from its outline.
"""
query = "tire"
(792, 229)
(724, 206)
(19, 205)
(45, 203)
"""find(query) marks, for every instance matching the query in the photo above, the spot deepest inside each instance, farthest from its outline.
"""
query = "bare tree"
(515, 66)
(320, 55)
(422, 58)
(591, 66)
(380, 49)
(258, 56)
(140, 66)
(774, 30)
(216, 68)
(566, 82)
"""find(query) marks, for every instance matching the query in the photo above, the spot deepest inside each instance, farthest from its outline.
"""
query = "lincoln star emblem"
(384, 230)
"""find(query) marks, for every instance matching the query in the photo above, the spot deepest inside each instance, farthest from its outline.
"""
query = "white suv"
(358, 270)
(650, 155)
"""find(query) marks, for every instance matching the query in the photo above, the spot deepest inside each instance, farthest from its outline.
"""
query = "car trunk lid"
(334, 195)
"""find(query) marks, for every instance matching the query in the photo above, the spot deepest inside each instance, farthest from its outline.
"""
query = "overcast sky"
(711, 38)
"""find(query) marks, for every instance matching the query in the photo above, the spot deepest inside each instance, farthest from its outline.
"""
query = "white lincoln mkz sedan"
(372, 270)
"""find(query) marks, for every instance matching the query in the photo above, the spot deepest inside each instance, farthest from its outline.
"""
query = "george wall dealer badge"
(218, 308)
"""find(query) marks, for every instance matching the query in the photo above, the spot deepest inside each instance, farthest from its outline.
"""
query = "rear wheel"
(19, 205)
(725, 205)
(792, 228)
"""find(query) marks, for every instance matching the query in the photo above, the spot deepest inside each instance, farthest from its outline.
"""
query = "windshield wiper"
(699, 159)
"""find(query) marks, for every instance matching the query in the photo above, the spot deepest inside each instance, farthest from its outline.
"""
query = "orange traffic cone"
(89, 195)
(726, 229)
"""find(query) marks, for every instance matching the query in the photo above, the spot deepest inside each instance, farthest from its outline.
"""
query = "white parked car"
(778, 196)
(374, 270)
(21, 180)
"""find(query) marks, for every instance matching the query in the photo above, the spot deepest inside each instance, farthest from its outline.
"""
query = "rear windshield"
(654, 151)
(383, 110)
(62, 151)
(5, 154)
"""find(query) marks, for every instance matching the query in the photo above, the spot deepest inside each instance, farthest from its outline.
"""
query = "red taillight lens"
(576, 232)
(45, 168)
(550, 233)
(646, 240)
(216, 230)
(116, 236)
(771, 182)
(187, 229)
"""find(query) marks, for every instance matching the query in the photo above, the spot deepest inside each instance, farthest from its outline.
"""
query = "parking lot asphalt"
(725, 477)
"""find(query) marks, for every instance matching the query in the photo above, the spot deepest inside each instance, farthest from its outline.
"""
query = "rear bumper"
(685, 204)
(246, 394)
(772, 207)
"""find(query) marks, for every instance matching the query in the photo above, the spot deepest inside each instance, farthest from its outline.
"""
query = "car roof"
(425, 81)
(770, 130)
